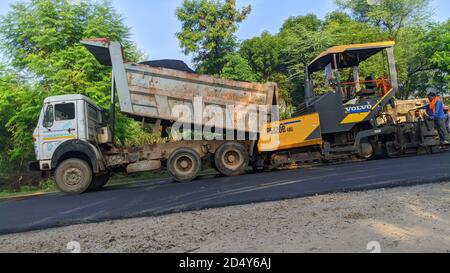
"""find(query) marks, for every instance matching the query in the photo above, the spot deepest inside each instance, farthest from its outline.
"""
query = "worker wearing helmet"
(435, 112)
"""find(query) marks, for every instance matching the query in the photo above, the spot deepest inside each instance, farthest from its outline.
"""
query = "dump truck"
(75, 143)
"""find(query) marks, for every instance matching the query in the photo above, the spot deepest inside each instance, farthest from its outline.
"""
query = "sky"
(154, 24)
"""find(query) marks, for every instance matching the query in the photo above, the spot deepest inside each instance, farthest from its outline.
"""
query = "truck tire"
(232, 159)
(73, 176)
(99, 182)
(184, 165)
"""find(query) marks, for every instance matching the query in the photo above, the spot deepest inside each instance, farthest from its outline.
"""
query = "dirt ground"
(415, 219)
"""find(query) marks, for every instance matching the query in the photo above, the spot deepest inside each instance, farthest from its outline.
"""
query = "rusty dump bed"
(152, 93)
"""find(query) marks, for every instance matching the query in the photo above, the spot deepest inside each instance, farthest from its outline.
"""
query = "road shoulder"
(413, 219)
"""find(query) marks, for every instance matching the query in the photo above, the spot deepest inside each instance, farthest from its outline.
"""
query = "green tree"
(426, 52)
(437, 42)
(41, 40)
(344, 30)
(16, 105)
(43, 37)
(301, 46)
(391, 15)
(208, 31)
(263, 54)
(413, 62)
(310, 22)
(237, 68)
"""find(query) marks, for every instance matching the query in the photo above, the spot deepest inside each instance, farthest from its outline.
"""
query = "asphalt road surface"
(155, 198)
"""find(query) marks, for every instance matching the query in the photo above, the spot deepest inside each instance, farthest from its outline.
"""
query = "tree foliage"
(42, 37)
(437, 44)
(390, 15)
(263, 54)
(18, 105)
(237, 68)
(208, 31)
(41, 40)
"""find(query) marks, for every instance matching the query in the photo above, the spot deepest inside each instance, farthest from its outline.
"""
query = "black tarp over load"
(170, 64)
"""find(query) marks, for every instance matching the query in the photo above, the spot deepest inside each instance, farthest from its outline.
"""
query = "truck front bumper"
(34, 166)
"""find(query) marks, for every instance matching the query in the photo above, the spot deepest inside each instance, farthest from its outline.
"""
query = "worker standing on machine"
(435, 112)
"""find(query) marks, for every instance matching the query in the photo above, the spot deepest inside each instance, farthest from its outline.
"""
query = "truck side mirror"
(48, 117)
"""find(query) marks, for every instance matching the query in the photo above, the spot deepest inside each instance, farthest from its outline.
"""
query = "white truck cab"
(68, 127)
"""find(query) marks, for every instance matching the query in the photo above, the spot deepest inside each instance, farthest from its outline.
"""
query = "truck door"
(59, 125)
(92, 122)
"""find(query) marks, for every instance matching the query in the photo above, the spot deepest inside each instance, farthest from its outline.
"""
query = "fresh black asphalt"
(155, 198)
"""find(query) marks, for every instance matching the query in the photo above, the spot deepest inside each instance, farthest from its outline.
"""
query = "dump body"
(154, 93)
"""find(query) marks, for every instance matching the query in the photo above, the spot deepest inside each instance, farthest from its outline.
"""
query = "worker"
(447, 118)
(435, 112)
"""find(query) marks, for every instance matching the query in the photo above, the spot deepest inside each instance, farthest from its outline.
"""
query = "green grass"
(45, 187)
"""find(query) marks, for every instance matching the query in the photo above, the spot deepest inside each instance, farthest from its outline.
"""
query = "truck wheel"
(99, 182)
(73, 176)
(232, 159)
(184, 165)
